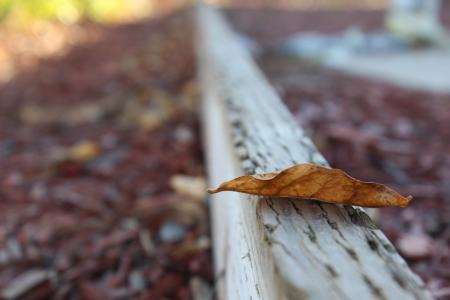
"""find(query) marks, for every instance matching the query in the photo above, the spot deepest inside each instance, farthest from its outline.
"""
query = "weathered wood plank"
(270, 248)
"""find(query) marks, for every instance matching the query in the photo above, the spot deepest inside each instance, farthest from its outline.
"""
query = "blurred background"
(102, 182)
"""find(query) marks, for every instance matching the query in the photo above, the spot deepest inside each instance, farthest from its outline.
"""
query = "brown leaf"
(316, 182)
(84, 151)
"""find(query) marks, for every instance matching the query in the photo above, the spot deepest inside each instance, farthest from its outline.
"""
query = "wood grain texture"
(274, 248)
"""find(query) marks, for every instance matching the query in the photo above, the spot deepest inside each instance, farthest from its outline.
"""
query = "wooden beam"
(273, 248)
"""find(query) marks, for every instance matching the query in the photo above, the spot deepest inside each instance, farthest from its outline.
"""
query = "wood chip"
(33, 284)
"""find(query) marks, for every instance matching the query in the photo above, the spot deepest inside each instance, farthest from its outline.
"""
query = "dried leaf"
(84, 151)
(316, 182)
(201, 290)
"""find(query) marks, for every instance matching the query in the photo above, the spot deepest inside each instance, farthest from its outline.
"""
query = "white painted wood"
(273, 248)
(239, 275)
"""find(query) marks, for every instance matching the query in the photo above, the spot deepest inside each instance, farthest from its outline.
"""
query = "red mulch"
(109, 225)
(106, 223)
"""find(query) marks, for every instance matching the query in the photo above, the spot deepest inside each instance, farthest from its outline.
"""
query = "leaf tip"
(406, 201)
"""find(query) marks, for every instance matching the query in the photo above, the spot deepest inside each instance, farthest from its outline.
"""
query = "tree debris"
(309, 181)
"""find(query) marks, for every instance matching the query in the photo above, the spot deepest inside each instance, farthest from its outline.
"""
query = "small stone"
(137, 281)
(414, 246)
(200, 289)
(183, 134)
(171, 232)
